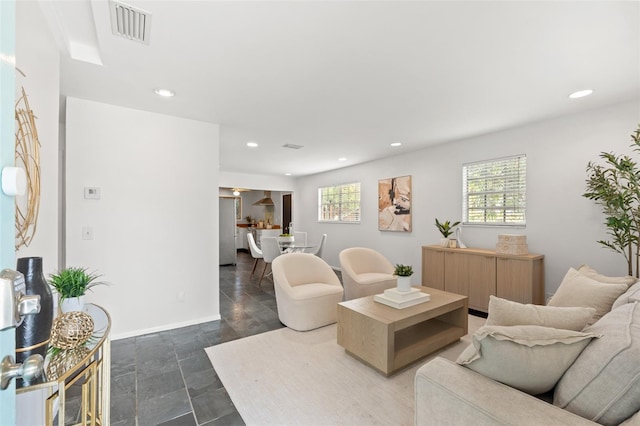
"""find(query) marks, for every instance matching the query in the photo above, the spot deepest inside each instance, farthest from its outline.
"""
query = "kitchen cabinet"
(479, 273)
(241, 238)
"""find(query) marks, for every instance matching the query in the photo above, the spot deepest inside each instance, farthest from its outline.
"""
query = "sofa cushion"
(577, 289)
(507, 312)
(629, 296)
(530, 358)
(603, 384)
(588, 271)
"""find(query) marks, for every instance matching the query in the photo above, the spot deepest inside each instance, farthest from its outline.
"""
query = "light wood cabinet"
(479, 273)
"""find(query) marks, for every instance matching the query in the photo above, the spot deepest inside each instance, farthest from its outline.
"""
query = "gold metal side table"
(87, 367)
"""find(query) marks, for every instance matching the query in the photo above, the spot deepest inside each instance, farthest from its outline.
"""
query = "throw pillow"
(629, 296)
(603, 384)
(594, 275)
(577, 289)
(507, 312)
(526, 357)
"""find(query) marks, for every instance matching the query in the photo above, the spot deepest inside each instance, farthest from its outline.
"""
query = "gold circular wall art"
(27, 157)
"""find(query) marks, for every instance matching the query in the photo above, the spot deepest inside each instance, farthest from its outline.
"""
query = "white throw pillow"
(577, 289)
(594, 275)
(507, 312)
(526, 357)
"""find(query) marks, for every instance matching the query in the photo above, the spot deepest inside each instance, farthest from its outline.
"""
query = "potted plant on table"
(72, 284)
(446, 229)
(403, 272)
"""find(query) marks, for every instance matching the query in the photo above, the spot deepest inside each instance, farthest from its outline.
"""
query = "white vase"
(72, 304)
(444, 242)
(404, 284)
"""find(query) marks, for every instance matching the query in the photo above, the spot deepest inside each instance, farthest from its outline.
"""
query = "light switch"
(91, 193)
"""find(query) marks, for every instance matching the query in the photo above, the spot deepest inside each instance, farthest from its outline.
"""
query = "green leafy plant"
(615, 186)
(446, 228)
(286, 235)
(403, 270)
(74, 282)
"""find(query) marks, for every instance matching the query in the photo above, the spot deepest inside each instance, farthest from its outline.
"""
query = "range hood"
(266, 201)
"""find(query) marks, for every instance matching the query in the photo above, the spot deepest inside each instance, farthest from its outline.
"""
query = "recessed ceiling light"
(581, 94)
(252, 144)
(287, 174)
(396, 143)
(165, 93)
(342, 159)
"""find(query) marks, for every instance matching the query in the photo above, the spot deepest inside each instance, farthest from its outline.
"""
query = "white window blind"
(339, 203)
(494, 191)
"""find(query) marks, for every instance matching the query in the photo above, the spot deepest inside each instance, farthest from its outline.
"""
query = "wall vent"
(292, 146)
(130, 22)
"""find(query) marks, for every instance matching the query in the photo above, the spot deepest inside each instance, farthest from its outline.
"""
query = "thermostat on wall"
(91, 193)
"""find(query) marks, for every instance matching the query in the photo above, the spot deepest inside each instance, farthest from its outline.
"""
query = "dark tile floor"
(166, 378)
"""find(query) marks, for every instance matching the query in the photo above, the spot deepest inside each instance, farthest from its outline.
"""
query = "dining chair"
(256, 253)
(270, 250)
(300, 238)
(317, 250)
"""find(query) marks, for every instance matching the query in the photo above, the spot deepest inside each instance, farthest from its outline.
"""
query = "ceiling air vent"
(292, 146)
(130, 22)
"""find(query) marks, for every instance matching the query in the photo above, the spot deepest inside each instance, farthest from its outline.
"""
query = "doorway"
(286, 212)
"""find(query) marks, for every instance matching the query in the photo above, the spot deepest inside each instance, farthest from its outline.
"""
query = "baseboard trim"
(165, 327)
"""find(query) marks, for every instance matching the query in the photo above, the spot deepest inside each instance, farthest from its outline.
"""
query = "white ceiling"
(345, 79)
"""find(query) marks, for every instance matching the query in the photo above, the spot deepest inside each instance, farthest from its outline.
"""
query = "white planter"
(72, 304)
(444, 242)
(404, 284)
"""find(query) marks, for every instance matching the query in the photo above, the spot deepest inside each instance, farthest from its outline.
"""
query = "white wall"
(561, 224)
(155, 228)
(37, 56)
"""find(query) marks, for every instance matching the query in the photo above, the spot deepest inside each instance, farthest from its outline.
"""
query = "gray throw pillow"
(603, 384)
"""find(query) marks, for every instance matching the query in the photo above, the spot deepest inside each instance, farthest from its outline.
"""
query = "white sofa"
(602, 385)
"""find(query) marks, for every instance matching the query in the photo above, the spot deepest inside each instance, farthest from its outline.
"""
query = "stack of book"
(402, 299)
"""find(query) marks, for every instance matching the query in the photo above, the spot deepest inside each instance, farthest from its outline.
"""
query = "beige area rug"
(285, 377)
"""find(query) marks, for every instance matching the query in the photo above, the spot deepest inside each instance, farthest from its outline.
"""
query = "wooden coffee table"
(389, 339)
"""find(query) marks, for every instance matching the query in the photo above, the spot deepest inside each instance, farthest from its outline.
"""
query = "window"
(494, 191)
(340, 203)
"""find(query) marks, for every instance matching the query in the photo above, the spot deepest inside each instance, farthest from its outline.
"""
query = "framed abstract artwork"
(394, 204)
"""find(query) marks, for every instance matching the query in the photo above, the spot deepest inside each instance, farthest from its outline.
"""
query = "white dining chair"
(317, 250)
(270, 250)
(256, 253)
(300, 238)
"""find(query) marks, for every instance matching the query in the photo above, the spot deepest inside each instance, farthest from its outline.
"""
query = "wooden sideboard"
(479, 273)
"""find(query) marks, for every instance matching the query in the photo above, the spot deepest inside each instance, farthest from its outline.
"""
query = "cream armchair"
(307, 291)
(365, 272)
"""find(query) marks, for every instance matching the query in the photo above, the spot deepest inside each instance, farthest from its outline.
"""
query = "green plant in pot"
(72, 283)
(446, 229)
(403, 272)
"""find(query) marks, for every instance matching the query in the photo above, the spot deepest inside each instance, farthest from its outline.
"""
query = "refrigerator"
(227, 231)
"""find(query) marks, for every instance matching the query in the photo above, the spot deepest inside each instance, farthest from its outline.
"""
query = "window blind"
(494, 191)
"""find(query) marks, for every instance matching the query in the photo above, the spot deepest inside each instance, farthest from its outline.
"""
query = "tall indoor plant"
(615, 186)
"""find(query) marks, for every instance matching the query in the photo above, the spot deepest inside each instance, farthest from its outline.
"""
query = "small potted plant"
(446, 229)
(403, 272)
(72, 284)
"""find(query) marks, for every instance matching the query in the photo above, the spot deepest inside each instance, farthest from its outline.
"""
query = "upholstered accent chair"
(307, 291)
(365, 272)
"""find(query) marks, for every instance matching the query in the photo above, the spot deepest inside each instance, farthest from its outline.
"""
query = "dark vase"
(32, 337)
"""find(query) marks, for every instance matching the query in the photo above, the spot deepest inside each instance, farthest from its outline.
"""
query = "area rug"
(285, 377)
